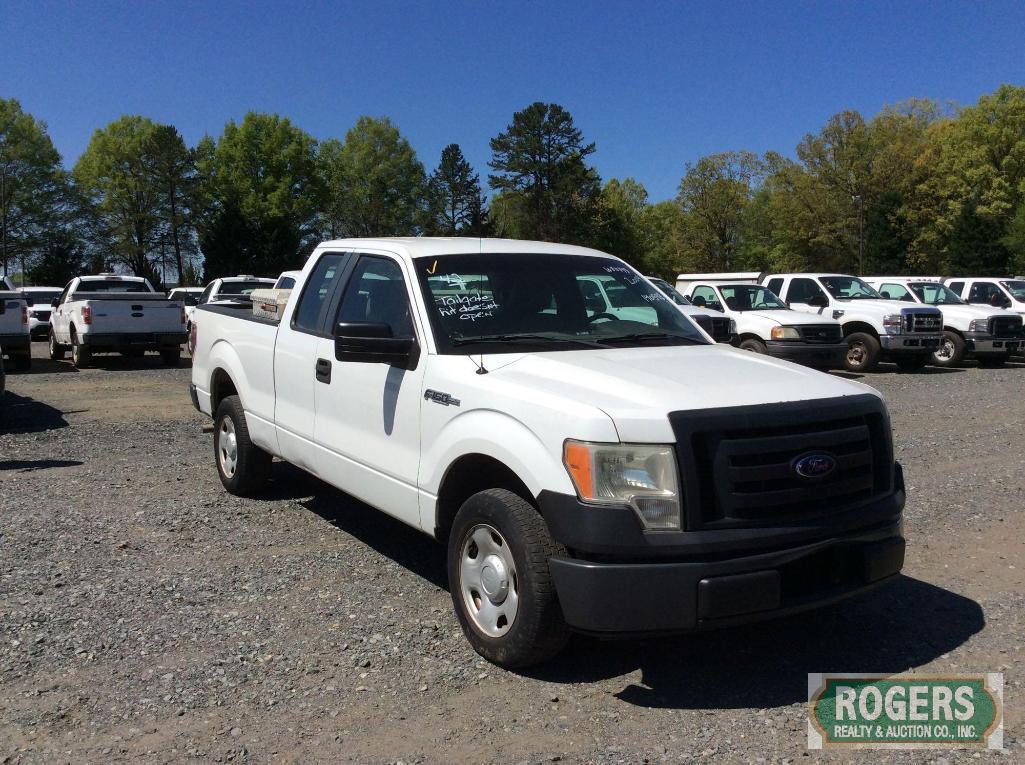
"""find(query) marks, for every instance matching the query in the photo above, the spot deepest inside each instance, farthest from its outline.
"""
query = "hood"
(637, 387)
(789, 318)
(968, 312)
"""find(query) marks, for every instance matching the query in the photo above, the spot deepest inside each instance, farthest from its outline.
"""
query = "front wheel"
(243, 467)
(862, 352)
(753, 345)
(502, 590)
(951, 351)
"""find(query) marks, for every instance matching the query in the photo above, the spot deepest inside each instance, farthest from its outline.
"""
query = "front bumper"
(986, 344)
(619, 579)
(146, 340)
(825, 356)
(20, 342)
(910, 343)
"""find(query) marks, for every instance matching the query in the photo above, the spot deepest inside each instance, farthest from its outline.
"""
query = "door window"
(987, 293)
(376, 293)
(594, 301)
(896, 292)
(775, 285)
(314, 302)
(804, 290)
(707, 296)
(957, 287)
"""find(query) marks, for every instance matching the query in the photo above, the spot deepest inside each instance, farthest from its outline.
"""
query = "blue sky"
(655, 85)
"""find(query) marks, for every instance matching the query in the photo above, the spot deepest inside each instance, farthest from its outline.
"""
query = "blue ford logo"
(815, 465)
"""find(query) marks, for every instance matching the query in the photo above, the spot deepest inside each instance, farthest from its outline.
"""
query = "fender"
(503, 438)
(259, 410)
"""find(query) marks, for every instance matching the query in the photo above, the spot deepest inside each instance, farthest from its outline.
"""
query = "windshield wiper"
(635, 336)
(525, 337)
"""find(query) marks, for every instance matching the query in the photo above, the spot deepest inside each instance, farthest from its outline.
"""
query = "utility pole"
(861, 232)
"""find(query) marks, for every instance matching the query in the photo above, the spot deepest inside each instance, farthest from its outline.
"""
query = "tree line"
(918, 188)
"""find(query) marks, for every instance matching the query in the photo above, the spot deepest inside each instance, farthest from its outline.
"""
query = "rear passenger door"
(368, 414)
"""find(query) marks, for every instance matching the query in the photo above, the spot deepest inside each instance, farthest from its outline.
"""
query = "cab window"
(705, 296)
(311, 313)
(775, 285)
(896, 292)
(804, 291)
(376, 293)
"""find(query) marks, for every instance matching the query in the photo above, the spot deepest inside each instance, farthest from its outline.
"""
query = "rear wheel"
(56, 349)
(81, 356)
(171, 356)
(23, 363)
(243, 467)
(502, 590)
(754, 345)
(913, 363)
(951, 351)
(862, 352)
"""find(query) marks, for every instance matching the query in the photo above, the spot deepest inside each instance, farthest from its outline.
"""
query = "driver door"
(801, 291)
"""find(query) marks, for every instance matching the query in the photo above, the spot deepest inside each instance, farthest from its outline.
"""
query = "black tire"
(992, 362)
(252, 464)
(56, 349)
(754, 345)
(951, 351)
(537, 631)
(23, 363)
(171, 356)
(913, 363)
(81, 356)
(862, 352)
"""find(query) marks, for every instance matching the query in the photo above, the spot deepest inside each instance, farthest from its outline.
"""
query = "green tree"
(456, 201)
(616, 222)
(174, 170)
(62, 259)
(260, 192)
(33, 185)
(540, 171)
(662, 228)
(714, 194)
(375, 185)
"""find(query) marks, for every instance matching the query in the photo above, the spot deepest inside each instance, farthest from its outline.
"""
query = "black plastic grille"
(1005, 326)
(717, 326)
(821, 333)
(738, 465)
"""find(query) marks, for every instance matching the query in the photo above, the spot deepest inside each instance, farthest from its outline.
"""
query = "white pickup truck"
(15, 341)
(40, 303)
(980, 332)
(875, 329)
(233, 288)
(189, 297)
(115, 314)
(587, 472)
(719, 328)
(765, 324)
(1008, 294)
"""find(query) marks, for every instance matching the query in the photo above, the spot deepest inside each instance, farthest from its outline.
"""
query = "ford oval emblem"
(814, 465)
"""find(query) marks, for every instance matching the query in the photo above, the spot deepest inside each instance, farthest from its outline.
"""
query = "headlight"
(642, 476)
(979, 325)
(893, 323)
(785, 333)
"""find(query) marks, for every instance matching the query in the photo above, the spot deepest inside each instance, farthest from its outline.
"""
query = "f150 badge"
(440, 398)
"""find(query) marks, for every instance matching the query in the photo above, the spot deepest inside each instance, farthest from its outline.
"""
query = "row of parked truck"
(573, 433)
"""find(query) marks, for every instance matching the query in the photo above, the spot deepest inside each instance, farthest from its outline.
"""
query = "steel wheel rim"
(946, 350)
(856, 353)
(227, 447)
(487, 580)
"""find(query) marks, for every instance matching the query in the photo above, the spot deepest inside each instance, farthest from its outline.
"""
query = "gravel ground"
(147, 615)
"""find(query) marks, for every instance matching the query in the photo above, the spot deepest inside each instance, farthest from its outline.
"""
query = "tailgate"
(10, 314)
(131, 316)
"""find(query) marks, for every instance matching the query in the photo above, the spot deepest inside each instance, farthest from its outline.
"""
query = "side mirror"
(818, 301)
(372, 343)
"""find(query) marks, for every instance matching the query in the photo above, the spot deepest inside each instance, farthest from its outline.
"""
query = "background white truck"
(189, 297)
(969, 331)
(998, 293)
(15, 342)
(875, 329)
(39, 301)
(719, 328)
(764, 324)
(115, 314)
(590, 472)
(233, 288)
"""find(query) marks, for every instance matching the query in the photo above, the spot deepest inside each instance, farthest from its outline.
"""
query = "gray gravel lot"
(146, 615)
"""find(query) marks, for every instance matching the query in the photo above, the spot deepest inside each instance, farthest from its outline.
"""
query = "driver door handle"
(324, 371)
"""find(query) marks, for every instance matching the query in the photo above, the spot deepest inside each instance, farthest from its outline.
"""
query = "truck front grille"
(1005, 326)
(924, 322)
(821, 333)
(739, 465)
(717, 326)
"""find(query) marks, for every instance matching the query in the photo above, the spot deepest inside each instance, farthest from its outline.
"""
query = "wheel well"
(749, 336)
(221, 386)
(465, 477)
(955, 330)
(859, 326)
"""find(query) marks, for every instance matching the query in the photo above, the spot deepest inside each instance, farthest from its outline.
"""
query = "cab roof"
(426, 246)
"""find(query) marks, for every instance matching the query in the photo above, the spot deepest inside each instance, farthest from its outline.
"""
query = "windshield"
(41, 298)
(750, 297)
(933, 293)
(111, 286)
(241, 289)
(848, 288)
(671, 292)
(1017, 289)
(509, 303)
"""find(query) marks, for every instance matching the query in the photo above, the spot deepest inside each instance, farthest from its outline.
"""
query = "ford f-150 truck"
(875, 329)
(39, 301)
(233, 288)
(586, 471)
(115, 314)
(15, 341)
(765, 324)
(980, 332)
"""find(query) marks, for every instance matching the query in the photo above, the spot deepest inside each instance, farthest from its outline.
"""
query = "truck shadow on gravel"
(21, 414)
(896, 628)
